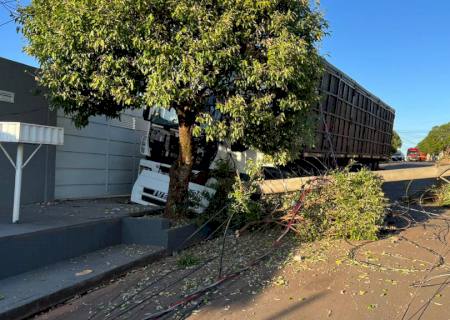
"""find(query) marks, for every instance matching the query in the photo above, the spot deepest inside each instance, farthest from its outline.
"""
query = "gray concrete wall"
(29, 106)
(101, 159)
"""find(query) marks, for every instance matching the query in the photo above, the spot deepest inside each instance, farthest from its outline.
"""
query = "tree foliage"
(443, 195)
(437, 140)
(258, 59)
(396, 142)
(349, 206)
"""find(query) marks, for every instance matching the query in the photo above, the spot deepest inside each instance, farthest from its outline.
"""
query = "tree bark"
(178, 196)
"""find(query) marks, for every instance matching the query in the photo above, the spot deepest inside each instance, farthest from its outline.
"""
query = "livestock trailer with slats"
(352, 123)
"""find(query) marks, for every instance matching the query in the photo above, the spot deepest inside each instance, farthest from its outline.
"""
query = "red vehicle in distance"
(414, 154)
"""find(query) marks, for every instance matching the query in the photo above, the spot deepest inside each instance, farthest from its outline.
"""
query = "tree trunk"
(178, 197)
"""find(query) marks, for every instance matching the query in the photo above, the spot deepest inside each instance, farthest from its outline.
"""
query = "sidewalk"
(323, 280)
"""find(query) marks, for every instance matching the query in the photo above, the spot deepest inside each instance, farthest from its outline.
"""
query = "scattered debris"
(280, 281)
(84, 272)
(372, 306)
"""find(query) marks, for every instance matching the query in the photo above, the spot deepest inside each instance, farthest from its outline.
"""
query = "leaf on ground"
(84, 272)
(393, 282)
(372, 306)
(280, 281)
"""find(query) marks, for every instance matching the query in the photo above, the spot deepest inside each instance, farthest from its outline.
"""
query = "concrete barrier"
(295, 184)
(158, 232)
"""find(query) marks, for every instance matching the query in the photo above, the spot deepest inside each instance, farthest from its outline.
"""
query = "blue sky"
(397, 49)
(400, 51)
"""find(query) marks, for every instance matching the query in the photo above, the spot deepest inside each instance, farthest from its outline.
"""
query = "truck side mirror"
(146, 114)
(238, 147)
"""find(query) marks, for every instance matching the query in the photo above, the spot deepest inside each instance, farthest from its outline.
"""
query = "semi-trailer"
(352, 122)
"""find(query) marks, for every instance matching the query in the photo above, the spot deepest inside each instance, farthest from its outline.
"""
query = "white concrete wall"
(100, 159)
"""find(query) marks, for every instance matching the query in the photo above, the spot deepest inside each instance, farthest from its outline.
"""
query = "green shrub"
(187, 260)
(234, 196)
(244, 201)
(348, 206)
(215, 213)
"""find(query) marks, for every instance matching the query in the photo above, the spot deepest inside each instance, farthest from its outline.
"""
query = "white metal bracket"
(31, 155)
(7, 155)
(26, 162)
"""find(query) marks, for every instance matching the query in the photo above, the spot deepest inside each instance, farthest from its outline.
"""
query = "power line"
(12, 11)
(6, 22)
(7, 5)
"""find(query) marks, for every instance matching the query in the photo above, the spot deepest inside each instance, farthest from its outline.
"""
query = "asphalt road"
(397, 190)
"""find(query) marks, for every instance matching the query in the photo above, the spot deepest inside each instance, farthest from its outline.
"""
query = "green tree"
(396, 142)
(259, 59)
(437, 140)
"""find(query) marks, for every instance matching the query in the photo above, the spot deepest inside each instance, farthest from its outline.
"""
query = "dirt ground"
(405, 275)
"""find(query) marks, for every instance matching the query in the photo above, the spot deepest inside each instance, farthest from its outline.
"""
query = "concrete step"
(40, 262)
(28, 293)
(29, 248)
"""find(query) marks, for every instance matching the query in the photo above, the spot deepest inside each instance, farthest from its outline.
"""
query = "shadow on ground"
(147, 291)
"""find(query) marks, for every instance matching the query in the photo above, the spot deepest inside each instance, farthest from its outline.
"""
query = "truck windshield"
(167, 115)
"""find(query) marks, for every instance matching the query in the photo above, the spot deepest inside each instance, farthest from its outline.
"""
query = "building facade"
(98, 160)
